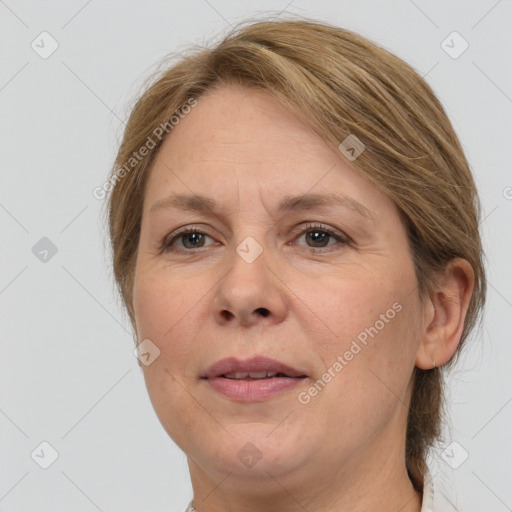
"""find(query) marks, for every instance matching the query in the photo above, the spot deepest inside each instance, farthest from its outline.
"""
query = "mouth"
(256, 368)
(253, 375)
(253, 380)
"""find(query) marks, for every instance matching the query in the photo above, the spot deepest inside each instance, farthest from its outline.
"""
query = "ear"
(444, 315)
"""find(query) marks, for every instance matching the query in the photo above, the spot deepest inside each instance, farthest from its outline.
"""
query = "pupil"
(192, 236)
(317, 237)
(315, 234)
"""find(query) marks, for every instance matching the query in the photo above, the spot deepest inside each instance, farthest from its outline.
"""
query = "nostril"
(262, 311)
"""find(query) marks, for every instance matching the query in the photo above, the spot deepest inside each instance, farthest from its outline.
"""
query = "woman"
(294, 229)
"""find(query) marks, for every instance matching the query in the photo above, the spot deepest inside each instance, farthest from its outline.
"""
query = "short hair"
(339, 83)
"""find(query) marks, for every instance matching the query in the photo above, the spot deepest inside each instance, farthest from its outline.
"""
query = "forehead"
(233, 122)
(243, 143)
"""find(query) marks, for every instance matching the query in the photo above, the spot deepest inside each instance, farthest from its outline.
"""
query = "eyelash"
(166, 244)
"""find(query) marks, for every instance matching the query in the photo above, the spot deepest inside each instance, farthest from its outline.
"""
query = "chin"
(251, 453)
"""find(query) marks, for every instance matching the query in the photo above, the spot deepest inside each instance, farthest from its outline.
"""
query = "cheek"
(166, 314)
(354, 307)
(174, 406)
(371, 377)
(162, 302)
(374, 326)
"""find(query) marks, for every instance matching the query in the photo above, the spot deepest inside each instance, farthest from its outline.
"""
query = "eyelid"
(170, 238)
(300, 230)
(335, 233)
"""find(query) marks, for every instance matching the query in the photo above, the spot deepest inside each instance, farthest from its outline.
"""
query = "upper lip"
(255, 364)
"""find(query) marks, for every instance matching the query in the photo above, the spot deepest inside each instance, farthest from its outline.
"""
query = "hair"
(339, 83)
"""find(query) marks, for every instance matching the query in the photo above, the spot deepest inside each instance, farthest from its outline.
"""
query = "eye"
(320, 236)
(189, 238)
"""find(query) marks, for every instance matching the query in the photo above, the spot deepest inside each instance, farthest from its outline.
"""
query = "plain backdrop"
(68, 375)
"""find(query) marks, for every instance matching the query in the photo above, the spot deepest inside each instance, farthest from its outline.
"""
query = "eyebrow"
(200, 203)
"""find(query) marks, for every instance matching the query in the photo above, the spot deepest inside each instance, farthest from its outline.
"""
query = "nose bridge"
(249, 262)
(252, 229)
(254, 247)
(249, 289)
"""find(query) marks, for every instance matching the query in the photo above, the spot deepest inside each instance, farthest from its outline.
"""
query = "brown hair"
(339, 83)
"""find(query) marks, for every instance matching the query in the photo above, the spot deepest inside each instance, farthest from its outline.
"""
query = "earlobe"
(445, 314)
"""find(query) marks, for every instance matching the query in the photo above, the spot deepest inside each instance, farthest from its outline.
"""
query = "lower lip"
(253, 390)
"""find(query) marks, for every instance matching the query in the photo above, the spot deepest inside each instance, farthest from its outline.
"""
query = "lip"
(255, 390)
(255, 364)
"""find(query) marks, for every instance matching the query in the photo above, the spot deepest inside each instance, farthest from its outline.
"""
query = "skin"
(344, 449)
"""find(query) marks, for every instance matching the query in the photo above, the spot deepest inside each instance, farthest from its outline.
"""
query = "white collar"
(426, 504)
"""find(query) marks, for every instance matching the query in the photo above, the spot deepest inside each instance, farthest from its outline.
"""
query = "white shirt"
(426, 504)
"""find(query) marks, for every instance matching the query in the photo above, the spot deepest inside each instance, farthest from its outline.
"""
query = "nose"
(250, 292)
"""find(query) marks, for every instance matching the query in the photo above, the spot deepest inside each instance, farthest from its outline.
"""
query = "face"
(328, 289)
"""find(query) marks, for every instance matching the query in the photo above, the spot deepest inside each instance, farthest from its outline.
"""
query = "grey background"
(68, 376)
